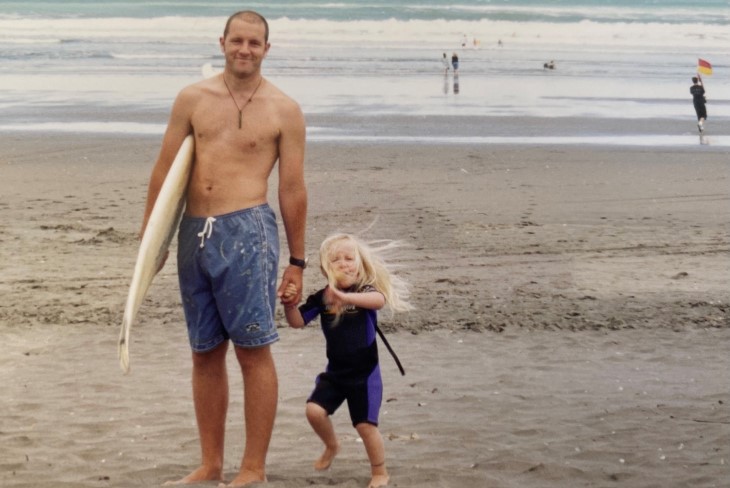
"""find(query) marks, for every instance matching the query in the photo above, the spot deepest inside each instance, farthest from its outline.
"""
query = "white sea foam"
(87, 127)
(158, 56)
(347, 58)
(643, 140)
(385, 34)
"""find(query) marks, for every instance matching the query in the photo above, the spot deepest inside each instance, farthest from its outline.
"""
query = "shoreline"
(400, 130)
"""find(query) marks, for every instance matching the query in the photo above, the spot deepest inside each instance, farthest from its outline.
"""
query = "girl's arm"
(293, 316)
(291, 310)
(373, 300)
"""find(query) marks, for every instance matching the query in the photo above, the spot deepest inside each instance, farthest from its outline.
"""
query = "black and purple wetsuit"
(352, 372)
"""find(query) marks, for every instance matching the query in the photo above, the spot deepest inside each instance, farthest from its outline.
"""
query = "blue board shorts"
(227, 267)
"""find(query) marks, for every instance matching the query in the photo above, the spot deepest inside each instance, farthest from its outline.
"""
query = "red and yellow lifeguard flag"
(704, 67)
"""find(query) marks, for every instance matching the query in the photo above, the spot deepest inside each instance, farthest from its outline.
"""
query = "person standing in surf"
(228, 245)
(445, 62)
(698, 100)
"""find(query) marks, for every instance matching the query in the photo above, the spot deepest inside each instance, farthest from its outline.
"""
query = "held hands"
(290, 289)
(289, 293)
(293, 316)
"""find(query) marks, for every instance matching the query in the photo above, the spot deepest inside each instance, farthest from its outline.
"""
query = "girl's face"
(343, 262)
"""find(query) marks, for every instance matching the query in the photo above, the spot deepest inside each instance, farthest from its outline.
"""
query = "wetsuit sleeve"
(312, 307)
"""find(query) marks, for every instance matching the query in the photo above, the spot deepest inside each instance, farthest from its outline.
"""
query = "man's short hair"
(248, 16)
(694, 79)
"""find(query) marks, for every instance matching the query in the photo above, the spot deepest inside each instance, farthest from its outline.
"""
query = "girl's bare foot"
(379, 481)
(325, 460)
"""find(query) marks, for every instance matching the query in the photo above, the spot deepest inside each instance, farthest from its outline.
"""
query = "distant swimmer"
(550, 65)
(698, 100)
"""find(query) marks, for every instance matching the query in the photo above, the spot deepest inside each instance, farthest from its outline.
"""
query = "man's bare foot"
(201, 474)
(245, 478)
(379, 481)
(325, 460)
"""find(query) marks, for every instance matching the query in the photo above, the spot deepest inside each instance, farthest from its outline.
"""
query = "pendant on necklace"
(240, 109)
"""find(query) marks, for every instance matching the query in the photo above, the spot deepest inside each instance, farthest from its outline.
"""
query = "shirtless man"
(228, 239)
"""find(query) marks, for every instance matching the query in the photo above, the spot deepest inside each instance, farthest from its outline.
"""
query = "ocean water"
(90, 66)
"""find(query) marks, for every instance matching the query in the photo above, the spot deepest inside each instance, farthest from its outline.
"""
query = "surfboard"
(208, 70)
(161, 226)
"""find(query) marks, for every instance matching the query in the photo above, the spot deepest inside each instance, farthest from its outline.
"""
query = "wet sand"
(572, 322)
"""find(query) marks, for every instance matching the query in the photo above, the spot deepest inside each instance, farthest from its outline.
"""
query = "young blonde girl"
(360, 283)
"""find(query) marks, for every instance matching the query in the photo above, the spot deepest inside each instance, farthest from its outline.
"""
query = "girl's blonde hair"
(372, 268)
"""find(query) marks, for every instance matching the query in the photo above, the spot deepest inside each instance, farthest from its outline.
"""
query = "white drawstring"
(207, 230)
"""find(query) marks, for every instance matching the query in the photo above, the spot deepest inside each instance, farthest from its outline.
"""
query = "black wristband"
(302, 263)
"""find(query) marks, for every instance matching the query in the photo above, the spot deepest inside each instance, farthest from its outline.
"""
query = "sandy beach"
(572, 328)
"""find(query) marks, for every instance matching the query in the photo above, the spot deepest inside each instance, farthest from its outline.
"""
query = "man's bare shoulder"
(283, 102)
(200, 89)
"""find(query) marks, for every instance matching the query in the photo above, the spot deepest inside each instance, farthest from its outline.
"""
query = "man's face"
(245, 46)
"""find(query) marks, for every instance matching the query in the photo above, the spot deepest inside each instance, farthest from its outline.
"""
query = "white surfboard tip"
(208, 71)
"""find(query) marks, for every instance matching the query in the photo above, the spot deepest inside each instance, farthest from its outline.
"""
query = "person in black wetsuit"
(360, 284)
(698, 100)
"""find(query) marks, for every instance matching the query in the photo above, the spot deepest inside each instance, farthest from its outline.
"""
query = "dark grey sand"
(572, 322)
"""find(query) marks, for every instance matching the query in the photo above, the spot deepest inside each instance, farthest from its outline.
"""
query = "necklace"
(240, 109)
